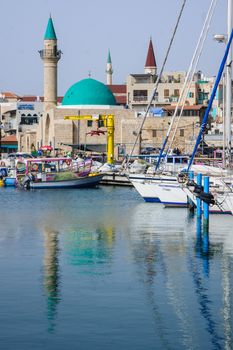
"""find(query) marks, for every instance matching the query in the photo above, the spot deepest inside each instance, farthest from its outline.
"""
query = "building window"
(166, 93)
(154, 134)
(182, 132)
(191, 95)
(140, 95)
(100, 123)
(89, 123)
(177, 92)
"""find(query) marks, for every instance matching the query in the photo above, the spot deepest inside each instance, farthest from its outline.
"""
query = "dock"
(115, 179)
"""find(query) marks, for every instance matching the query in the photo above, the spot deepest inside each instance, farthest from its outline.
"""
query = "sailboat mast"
(228, 87)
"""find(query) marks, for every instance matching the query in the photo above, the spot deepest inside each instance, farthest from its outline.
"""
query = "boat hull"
(10, 182)
(172, 195)
(81, 182)
(147, 190)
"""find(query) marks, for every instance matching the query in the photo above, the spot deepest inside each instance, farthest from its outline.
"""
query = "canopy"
(46, 148)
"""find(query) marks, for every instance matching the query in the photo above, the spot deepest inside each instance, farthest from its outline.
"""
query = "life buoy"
(2, 164)
(68, 161)
(35, 167)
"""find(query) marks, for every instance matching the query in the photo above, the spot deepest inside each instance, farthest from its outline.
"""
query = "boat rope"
(188, 80)
(157, 82)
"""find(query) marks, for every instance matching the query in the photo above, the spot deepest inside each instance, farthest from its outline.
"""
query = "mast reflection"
(51, 275)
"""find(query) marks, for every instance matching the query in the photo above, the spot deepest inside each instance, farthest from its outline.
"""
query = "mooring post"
(190, 202)
(191, 175)
(199, 202)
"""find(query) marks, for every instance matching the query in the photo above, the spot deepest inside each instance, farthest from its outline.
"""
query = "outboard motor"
(26, 181)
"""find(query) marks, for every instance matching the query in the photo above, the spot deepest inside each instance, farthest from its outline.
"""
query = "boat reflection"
(188, 285)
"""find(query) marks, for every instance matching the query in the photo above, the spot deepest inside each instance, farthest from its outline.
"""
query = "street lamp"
(1, 126)
(1, 140)
(220, 38)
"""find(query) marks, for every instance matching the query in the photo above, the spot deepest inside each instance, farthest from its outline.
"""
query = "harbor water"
(102, 269)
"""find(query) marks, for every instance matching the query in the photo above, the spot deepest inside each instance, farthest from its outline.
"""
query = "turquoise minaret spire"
(50, 32)
(109, 57)
(50, 56)
(109, 69)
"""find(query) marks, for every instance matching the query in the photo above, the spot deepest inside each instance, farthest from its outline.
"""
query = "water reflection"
(134, 276)
(51, 275)
(204, 250)
(87, 248)
(154, 249)
(227, 312)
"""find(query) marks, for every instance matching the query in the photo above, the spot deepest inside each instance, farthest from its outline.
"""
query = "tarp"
(157, 112)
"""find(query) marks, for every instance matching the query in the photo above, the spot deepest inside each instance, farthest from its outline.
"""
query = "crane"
(108, 120)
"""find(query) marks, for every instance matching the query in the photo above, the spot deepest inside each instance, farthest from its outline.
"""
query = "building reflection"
(88, 248)
(51, 275)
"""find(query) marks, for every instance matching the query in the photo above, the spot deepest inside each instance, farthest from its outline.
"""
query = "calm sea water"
(101, 269)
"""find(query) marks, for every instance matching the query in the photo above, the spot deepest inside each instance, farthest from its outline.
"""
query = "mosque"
(90, 97)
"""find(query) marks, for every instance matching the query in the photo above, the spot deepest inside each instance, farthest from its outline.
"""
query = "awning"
(46, 148)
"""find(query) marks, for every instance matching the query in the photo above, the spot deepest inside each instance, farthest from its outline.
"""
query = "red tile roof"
(117, 89)
(9, 94)
(187, 108)
(9, 139)
(29, 98)
(34, 98)
(121, 99)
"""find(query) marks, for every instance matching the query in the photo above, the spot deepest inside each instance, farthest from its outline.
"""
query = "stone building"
(91, 97)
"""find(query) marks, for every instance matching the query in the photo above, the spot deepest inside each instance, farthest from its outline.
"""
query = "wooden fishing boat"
(58, 173)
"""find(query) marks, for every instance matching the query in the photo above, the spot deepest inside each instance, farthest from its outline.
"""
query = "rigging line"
(157, 81)
(209, 16)
(205, 118)
(193, 64)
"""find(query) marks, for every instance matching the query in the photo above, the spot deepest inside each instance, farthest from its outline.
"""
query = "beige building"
(90, 97)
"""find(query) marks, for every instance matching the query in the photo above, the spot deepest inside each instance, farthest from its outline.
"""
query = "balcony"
(139, 98)
(25, 128)
(55, 54)
(8, 126)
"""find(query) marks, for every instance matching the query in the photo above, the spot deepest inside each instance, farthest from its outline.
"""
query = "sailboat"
(223, 195)
(167, 189)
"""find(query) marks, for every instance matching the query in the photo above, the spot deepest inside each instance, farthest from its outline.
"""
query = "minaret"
(150, 66)
(50, 55)
(109, 69)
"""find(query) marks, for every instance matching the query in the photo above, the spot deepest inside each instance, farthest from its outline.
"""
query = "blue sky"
(87, 29)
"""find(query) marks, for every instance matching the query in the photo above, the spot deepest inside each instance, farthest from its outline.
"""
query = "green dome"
(89, 92)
